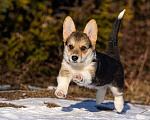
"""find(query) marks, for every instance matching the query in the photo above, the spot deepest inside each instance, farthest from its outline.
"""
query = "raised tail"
(112, 49)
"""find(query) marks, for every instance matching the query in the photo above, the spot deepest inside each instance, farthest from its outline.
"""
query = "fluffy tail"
(112, 49)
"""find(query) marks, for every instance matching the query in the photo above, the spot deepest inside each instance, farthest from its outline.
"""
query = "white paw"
(78, 78)
(60, 94)
(119, 106)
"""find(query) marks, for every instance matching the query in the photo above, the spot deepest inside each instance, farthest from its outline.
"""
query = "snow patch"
(51, 87)
(70, 110)
(34, 88)
(5, 87)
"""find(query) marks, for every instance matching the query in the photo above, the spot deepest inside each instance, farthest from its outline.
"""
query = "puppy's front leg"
(63, 81)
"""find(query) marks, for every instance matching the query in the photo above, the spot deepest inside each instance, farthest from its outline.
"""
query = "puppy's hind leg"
(118, 102)
(100, 95)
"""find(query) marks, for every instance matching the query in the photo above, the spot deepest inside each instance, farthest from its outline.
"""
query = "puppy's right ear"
(68, 27)
(91, 30)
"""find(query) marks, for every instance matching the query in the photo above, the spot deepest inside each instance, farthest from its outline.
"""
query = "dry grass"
(11, 105)
(136, 97)
(22, 94)
(75, 93)
(50, 105)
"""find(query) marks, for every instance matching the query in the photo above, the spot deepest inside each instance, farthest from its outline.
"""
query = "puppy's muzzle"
(74, 58)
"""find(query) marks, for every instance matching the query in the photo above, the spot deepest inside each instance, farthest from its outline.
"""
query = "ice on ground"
(70, 110)
(34, 88)
(5, 87)
(51, 87)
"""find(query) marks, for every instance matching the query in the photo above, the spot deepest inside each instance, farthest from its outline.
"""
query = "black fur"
(109, 70)
(112, 49)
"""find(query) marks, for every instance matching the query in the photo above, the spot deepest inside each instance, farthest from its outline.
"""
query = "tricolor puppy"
(86, 67)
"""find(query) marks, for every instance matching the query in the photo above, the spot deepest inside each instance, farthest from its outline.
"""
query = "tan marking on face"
(71, 42)
(77, 47)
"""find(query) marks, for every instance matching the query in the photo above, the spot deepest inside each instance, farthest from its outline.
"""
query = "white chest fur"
(85, 71)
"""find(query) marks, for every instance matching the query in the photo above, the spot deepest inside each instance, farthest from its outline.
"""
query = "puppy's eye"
(83, 48)
(70, 47)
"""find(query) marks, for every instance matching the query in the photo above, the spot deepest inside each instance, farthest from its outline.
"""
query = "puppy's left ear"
(68, 27)
(91, 30)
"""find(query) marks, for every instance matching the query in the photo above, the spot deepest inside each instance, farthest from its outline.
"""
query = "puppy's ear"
(91, 31)
(68, 27)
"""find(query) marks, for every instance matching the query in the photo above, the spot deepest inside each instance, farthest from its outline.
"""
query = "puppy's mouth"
(71, 61)
(74, 62)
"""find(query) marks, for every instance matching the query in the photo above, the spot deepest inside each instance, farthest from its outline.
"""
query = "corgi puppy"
(86, 67)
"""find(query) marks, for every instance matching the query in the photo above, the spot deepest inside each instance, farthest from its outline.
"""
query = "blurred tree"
(29, 38)
(27, 31)
(31, 32)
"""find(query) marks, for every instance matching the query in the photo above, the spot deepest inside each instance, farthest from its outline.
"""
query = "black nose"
(74, 58)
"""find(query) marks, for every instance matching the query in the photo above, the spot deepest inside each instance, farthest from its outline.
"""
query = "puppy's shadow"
(90, 105)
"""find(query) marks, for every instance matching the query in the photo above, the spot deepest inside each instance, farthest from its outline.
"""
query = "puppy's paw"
(119, 107)
(119, 103)
(60, 94)
(78, 78)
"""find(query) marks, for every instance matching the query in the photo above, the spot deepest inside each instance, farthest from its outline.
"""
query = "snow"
(34, 88)
(5, 87)
(70, 110)
(51, 87)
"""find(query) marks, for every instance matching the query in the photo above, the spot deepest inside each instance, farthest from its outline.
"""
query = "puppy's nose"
(74, 58)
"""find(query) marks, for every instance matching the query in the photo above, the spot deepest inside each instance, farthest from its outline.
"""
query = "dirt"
(74, 93)
(50, 105)
(11, 105)
(22, 94)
